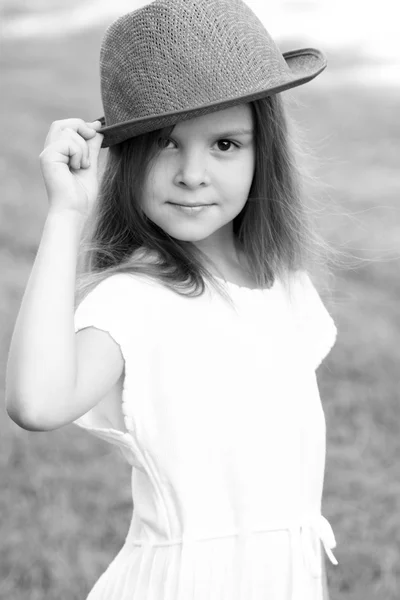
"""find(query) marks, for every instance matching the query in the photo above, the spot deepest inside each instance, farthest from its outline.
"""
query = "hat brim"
(304, 64)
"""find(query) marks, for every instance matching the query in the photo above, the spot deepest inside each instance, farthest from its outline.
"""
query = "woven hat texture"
(177, 59)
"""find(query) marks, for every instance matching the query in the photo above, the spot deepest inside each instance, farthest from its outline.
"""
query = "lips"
(188, 205)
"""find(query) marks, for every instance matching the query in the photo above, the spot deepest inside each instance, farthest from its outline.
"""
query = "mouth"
(190, 209)
(188, 205)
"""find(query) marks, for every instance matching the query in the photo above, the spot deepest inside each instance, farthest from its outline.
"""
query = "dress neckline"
(243, 288)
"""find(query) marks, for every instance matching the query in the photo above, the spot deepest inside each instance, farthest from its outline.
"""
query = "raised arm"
(45, 358)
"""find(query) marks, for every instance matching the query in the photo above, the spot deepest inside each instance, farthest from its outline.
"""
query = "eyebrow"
(228, 132)
(233, 132)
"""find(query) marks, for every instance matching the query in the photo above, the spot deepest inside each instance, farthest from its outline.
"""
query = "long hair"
(273, 230)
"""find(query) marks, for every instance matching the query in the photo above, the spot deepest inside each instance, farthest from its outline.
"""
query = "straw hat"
(178, 59)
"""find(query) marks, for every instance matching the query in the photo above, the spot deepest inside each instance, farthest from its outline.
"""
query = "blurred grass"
(66, 499)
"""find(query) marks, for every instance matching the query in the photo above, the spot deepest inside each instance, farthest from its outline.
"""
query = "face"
(206, 161)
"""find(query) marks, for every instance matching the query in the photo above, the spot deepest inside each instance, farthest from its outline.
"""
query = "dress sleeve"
(317, 328)
(104, 307)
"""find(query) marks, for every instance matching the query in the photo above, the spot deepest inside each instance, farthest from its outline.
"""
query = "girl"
(198, 331)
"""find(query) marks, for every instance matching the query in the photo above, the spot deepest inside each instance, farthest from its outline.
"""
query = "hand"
(69, 164)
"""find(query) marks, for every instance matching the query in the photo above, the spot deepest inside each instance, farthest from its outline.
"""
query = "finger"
(86, 130)
(75, 153)
(95, 124)
(79, 141)
(65, 151)
(94, 146)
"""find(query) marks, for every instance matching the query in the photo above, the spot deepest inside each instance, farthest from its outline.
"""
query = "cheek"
(241, 175)
(153, 184)
(251, 164)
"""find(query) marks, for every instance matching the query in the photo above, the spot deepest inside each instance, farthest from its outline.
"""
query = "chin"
(186, 229)
(187, 237)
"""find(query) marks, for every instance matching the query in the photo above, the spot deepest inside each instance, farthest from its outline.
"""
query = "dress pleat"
(218, 568)
(109, 585)
(171, 580)
(155, 576)
(130, 577)
(204, 581)
(262, 566)
(142, 574)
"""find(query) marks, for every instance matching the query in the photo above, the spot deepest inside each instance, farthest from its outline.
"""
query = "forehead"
(235, 116)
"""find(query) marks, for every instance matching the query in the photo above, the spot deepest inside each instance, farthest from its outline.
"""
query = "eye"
(222, 144)
(163, 142)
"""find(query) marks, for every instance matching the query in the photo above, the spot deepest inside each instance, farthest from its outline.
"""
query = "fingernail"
(93, 124)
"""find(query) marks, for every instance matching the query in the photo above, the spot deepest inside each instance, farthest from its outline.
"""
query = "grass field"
(65, 498)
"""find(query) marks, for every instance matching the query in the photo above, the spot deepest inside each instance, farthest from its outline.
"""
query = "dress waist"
(304, 533)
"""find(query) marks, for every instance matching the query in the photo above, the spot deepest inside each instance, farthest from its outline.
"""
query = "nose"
(192, 170)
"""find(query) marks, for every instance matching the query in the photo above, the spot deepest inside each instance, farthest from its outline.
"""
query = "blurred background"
(65, 497)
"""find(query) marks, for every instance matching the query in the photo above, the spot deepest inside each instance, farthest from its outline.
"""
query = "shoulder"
(114, 302)
(304, 287)
(302, 278)
(298, 287)
(315, 323)
(311, 310)
(117, 281)
(117, 287)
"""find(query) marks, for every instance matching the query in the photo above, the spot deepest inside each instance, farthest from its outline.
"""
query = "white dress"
(225, 433)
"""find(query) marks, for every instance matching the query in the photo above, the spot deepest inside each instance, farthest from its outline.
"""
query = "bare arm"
(324, 579)
(41, 369)
(42, 387)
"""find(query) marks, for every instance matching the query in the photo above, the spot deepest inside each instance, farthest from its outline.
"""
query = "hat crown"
(173, 55)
